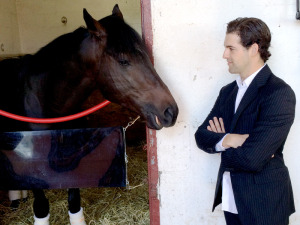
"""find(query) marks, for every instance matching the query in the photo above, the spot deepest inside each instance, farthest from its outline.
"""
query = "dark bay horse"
(107, 55)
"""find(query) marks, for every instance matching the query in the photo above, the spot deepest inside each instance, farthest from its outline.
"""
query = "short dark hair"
(252, 30)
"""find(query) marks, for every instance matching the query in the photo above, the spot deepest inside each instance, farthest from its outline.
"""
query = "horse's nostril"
(168, 113)
(169, 116)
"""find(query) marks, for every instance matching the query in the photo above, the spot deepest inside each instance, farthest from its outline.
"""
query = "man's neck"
(251, 70)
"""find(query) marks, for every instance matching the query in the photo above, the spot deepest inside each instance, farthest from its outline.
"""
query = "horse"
(107, 55)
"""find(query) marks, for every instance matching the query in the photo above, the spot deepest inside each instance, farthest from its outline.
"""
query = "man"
(249, 124)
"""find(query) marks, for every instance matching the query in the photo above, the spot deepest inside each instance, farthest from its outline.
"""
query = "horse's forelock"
(121, 38)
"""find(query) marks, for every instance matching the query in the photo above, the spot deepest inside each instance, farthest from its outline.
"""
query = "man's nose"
(225, 54)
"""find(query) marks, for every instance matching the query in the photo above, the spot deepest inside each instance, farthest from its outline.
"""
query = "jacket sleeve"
(275, 118)
(205, 139)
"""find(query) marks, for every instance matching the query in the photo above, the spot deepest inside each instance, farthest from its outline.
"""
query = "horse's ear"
(117, 12)
(93, 25)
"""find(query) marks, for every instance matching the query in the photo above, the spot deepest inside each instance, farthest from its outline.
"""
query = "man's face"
(237, 56)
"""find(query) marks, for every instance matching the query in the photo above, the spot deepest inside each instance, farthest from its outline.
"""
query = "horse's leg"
(24, 195)
(40, 207)
(74, 200)
(75, 210)
(15, 198)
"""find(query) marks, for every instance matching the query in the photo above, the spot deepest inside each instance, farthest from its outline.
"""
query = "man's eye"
(123, 62)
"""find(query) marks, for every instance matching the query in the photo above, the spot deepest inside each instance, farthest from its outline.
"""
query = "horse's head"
(126, 75)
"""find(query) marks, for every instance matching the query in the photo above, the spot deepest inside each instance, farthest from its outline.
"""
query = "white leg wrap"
(24, 193)
(77, 218)
(14, 195)
(41, 221)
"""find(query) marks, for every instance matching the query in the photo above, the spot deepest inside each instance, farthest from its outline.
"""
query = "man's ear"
(93, 26)
(254, 49)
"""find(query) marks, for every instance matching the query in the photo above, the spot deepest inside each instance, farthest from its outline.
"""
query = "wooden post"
(151, 134)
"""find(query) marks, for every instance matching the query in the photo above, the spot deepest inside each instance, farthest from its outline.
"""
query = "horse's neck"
(60, 94)
(64, 84)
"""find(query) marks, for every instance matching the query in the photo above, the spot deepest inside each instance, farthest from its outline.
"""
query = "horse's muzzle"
(166, 119)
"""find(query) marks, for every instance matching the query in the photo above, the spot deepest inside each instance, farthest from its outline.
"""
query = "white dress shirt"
(228, 202)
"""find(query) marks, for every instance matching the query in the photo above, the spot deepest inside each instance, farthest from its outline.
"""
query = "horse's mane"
(121, 38)
(60, 49)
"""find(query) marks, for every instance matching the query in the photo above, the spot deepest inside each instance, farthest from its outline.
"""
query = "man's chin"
(232, 71)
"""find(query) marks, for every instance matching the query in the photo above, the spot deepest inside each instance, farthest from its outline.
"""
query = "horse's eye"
(124, 62)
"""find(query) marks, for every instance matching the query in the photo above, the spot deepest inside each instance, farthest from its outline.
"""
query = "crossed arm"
(250, 152)
(230, 140)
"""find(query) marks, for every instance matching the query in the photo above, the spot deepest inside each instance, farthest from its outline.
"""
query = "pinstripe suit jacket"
(261, 184)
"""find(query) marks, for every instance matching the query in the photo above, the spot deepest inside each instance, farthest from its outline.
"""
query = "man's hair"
(252, 30)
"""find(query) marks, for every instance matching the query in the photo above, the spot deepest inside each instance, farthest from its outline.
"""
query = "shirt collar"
(246, 83)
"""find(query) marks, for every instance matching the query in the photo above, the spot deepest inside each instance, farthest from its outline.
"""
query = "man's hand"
(216, 125)
(234, 140)
(230, 140)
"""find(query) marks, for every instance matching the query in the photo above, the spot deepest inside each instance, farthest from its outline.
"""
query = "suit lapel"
(247, 98)
(251, 93)
(229, 106)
